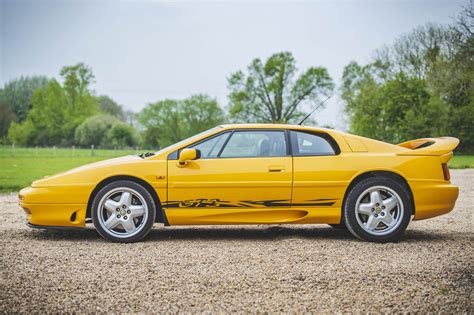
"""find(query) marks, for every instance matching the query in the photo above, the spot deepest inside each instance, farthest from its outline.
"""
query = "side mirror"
(188, 154)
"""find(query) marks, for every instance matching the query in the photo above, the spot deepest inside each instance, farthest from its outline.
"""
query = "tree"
(269, 91)
(109, 106)
(80, 103)
(49, 114)
(15, 99)
(56, 111)
(417, 53)
(106, 131)
(200, 112)
(393, 110)
(77, 79)
(122, 135)
(7, 116)
(21, 133)
(457, 86)
(45, 122)
(169, 121)
(94, 129)
(424, 80)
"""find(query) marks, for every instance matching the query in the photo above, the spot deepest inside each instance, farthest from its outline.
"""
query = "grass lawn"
(20, 166)
(462, 161)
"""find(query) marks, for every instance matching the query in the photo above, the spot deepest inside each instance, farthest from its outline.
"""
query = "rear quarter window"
(312, 144)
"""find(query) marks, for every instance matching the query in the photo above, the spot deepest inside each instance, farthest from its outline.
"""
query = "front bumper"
(47, 227)
(36, 203)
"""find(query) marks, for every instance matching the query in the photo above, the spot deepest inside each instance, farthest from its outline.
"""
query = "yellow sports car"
(254, 174)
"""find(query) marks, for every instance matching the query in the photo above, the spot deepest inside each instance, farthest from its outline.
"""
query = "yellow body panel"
(227, 183)
(299, 189)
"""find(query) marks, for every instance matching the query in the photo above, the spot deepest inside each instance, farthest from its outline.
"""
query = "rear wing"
(430, 146)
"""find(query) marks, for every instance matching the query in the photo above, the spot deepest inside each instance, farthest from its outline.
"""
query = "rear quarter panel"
(328, 177)
(433, 195)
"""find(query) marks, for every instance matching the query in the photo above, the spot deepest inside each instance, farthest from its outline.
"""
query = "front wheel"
(123, 211)
(378, 209)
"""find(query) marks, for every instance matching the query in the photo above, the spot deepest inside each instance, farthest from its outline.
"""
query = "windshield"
(178, 144)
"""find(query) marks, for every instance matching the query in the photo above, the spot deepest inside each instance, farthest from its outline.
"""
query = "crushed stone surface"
(296, 268)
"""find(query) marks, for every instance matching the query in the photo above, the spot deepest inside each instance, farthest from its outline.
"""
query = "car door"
(318, 185)
(240, 176)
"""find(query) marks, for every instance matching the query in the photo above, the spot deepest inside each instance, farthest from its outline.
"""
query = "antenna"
(318, 106)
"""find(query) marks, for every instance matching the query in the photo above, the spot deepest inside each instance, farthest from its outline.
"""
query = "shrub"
(122, 135)
(94, 129)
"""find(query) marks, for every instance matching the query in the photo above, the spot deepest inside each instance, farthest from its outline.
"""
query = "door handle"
(276, 168)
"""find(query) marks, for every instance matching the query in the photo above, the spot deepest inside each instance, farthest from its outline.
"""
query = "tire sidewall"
(150, 206)
(350, 209)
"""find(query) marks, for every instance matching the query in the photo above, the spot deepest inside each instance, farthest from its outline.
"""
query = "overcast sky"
(144, 51)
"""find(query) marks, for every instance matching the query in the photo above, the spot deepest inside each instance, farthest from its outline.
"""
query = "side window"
(303, 143)
(255, 144)
(210, 148)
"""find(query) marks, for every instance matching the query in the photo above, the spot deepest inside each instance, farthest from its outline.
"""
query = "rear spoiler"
(430, 146)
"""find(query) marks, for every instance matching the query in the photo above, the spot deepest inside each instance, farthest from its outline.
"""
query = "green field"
(462, 161)
(20, 166)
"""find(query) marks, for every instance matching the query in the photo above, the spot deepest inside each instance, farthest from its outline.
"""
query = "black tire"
(340, 226)
(352, 218)
(141, 195)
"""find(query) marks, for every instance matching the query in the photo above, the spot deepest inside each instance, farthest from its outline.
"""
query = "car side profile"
(254, 174)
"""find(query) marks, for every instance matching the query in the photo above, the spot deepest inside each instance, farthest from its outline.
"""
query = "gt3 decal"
(200, 203)
(217, 203)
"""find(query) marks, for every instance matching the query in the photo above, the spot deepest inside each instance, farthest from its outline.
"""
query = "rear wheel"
(123, 211)
(378, 210)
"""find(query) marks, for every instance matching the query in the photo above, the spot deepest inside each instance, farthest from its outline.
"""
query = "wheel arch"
(378, 173)
(160, 214)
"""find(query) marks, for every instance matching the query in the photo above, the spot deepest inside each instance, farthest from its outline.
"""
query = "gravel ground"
(241, 268)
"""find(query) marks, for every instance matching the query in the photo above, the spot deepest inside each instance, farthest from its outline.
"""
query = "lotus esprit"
(254, 174)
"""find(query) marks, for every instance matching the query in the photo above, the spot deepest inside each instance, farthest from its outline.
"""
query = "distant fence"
(72, 151)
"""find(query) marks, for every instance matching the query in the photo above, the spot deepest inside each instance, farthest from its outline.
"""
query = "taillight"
(446, 174)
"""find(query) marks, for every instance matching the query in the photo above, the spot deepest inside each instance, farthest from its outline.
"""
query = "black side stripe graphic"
(217, 203)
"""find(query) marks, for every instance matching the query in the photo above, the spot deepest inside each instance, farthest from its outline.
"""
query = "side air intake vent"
(73, 216)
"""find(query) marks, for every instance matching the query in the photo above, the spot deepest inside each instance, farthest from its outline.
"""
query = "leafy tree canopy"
(94, 129)
(77, 80)
(122, 135)
(272, 91)
(15, 99)
(109, 106)
(421, 85)
(57, 110)
(106, 131)
(169, 121)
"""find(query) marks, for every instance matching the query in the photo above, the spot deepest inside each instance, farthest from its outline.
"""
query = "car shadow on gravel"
(247, 233)
(163, 234)
(88, 234)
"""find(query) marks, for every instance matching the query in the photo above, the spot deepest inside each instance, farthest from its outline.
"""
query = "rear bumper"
(433, 198)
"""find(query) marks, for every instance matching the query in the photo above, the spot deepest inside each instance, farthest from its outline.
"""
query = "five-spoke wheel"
(123, 211)
(378, 209)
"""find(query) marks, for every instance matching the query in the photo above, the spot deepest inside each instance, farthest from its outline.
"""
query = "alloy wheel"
(122, 212)
(379, 210)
